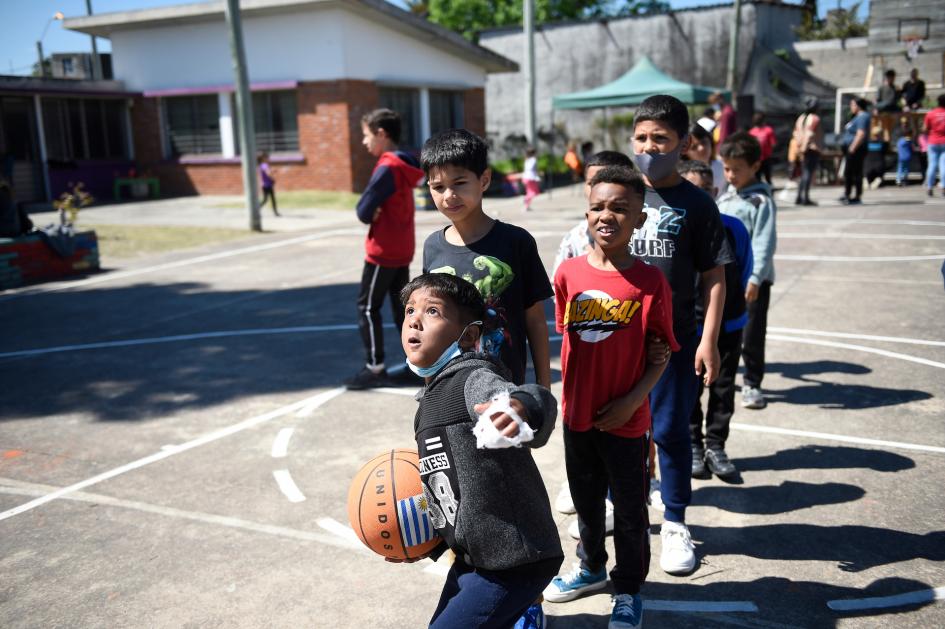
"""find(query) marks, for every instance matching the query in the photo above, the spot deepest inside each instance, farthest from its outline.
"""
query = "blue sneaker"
(627, 613)
(569, 586)
(533, 618)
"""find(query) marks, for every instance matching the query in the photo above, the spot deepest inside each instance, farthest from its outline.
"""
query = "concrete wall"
(689, 45)
(311, 45)
(842, 63)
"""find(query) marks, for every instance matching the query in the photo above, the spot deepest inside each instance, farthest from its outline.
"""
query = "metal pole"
(528, 19)
(733, 48)
(244, 112)
(96, 61)
(42, 66)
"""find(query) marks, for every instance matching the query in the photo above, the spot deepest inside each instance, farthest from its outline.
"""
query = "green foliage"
(545, 160)
(471, 16)
(839, 24)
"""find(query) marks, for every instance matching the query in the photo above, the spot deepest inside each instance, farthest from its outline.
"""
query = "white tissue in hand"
(488, 436)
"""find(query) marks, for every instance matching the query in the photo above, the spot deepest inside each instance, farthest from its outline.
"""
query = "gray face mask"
(658, 166)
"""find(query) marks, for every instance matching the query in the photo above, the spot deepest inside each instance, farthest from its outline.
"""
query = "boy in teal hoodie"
(750, 201)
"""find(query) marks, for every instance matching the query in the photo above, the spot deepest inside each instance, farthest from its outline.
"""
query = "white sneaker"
(574, 532)
(563, 503)
(752, 397)
(655, 498)
(678, 554)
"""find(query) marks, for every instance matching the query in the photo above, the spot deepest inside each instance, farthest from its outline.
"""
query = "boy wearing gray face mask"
(683, 236)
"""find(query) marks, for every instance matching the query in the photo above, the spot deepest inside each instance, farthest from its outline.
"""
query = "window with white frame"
(275, 115)
(406, 102)
(446, 110)
(192, 125)
(84, 128)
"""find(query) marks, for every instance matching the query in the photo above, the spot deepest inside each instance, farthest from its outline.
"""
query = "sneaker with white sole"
(575, 532)
(569, 586)
(678, 554)
(627, 612)
(564, 503)
(655, 498)
(752, 397)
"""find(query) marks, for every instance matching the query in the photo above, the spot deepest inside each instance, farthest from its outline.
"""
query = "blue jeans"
(936, 162)
(671, 403)
(473, 597)
(902, 170)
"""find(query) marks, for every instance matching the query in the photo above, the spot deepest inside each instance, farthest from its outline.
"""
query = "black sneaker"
(931, 192)
(717, 462)
(855, 202)
(698, 463)
(367, 379)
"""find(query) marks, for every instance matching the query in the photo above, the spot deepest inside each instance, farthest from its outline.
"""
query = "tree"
(838, 24)
(471, 16)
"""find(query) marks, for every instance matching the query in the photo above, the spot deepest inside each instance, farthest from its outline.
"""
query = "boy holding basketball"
(605, 305)
(487, 502)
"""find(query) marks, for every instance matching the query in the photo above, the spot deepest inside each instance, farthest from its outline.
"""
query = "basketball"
(387, 508)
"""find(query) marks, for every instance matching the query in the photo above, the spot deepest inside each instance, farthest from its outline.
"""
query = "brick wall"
(474, 110)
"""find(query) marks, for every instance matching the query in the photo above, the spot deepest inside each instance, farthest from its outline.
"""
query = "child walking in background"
(750, 201)
(905, 146)
(708, 450)
(488, 505)
(530, 178)
(267, 182)
(764, 133)
(605, 304)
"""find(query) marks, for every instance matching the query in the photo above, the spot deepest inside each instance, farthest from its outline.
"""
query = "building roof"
(104, 24)
(65, 87)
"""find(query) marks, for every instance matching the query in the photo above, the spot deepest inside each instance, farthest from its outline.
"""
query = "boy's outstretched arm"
(534, 403)
(619, 411)
(707, 354)
(536, 331)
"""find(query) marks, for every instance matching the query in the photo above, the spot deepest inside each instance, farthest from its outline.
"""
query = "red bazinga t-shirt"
(604, 317)
(935, 123)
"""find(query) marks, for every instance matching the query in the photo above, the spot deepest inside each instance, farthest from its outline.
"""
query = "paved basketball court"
(175, 449)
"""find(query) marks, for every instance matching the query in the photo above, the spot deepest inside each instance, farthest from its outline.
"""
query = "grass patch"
(305, 199)
(130, 241)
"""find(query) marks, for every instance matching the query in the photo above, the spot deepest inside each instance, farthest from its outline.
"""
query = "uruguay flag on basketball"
(414, 518)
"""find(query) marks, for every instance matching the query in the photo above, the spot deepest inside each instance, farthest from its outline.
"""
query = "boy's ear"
(756, 166)
(684, 143)
(485, 179)
(471, 336)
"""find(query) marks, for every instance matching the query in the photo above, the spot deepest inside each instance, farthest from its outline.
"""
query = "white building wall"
(320, 45)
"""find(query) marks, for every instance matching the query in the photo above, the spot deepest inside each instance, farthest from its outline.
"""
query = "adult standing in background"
(855, 136)
(887, 98)
(913, 91)
(934, 126)
(727, 119)
(809, 138)
(763, 132)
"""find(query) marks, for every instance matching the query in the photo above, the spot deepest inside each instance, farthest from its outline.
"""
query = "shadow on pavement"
(774, 499)
(827, 458)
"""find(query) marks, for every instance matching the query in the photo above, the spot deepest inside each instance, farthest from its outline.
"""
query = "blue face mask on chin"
(452, 351)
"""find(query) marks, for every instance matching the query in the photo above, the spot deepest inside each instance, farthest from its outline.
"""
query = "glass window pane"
(446, 110)
(405, 102)
(276, 121)
(95, 128)
(115, 128)
(193, 124)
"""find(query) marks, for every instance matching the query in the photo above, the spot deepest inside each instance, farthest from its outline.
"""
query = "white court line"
(699, 606)
(833, 437)
(406, 392)
(858, 348)
(180, 263)
(881, 602)
(207, 518)
(163, 454)
(805, 258)
(340, 530)
(864, 337)
(287, 486)
(862, 221)
(856, 236)
(280, 445)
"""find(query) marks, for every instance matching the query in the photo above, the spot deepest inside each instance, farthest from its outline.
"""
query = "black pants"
(764, 173)
(269, 193)
(721, 404)
(595, 461)
(808, 172)
(853, 173)
(376, 282)
(753, 346)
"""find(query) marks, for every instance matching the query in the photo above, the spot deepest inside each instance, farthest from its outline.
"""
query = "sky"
(24, 21)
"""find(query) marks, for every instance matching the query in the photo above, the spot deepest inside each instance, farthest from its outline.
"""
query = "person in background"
(913, 91)
(707, 120)
(874, 166)
(809, 138)
(905, 146)
(727, 119)
(267, 182)
(887, 98)
(573, 162)
(855, 135)
(530, 177)
(763, 132)
(934, 126)
(702, 149)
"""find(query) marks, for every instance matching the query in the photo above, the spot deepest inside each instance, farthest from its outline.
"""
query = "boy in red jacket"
(387, 206)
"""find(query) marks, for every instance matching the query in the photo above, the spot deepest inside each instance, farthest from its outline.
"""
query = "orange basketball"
(387, 509)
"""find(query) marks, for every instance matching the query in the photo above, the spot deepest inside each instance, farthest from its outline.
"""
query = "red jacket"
(390, 240)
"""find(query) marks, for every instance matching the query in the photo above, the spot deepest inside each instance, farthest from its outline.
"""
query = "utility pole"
(42, 66)
(733, 49)
(244, 112)
(96, 60)
(528, 20)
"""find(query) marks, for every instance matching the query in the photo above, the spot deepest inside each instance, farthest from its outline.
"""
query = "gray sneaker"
(752, 397)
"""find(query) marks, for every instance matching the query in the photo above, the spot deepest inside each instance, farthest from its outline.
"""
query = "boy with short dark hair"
(387, 206)
(489, 505)
(605, 304)
(750, 201)
(499, 259)
(683, 236)
(708, 450)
